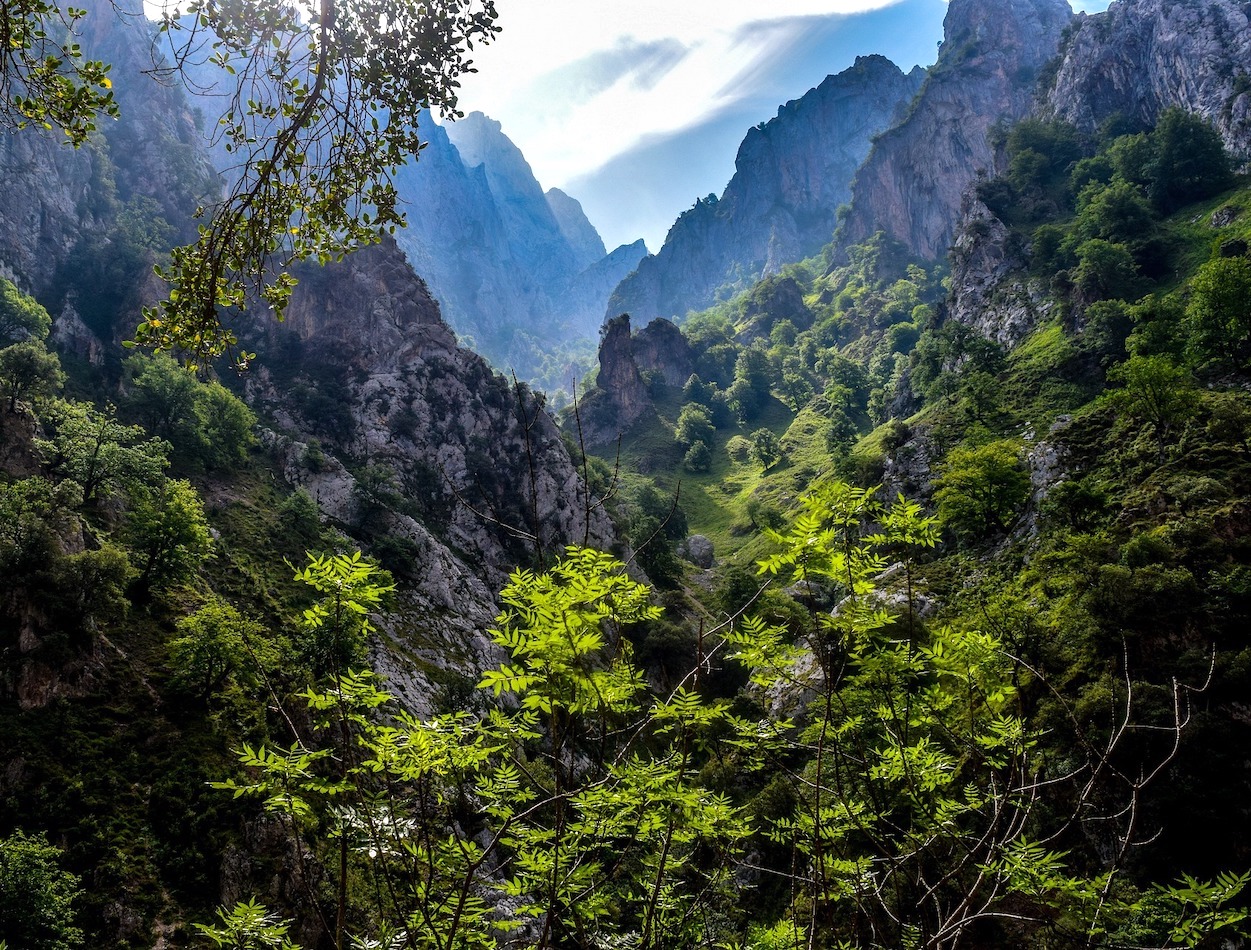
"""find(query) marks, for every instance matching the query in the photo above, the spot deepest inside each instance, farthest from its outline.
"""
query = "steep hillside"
(791, 175)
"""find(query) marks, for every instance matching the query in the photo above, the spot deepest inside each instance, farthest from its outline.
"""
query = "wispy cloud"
(578, 83)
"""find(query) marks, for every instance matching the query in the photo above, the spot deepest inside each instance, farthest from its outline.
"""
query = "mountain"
(992, 55)
(504, 259)
(791, 175)
(588, 246)
(364, 367)
(1141, 56)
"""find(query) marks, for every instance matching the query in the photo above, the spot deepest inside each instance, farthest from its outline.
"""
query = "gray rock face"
(791, 174)
(56, 197)
(912, 184)
(1141, 56)
(660, 347)
(620, 397)
(482, 462)
(990, 287)
(698, 550)
(583, 301)
(536, 240)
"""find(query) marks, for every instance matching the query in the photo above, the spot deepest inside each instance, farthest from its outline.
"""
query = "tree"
(698, 458)
(1155, 391)
(28, 370)
(99, 453)
(694, 425)
(36, 896)
(1189, 164)
(44, 78)
(167, 532)
(1219, 311)
(216, 646)
(21, 317)
(575, 813)
(981, 488)
(207, 425)
(336, 627)
(1105, 269)
(765, 448)
(324, 105)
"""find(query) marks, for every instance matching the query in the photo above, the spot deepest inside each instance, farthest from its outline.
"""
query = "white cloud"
(561, 79)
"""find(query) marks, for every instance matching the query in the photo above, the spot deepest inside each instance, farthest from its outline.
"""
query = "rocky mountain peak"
(913, 182)
(588, 246)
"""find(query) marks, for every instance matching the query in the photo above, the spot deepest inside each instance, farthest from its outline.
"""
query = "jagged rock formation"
(661, 348)
(991, 290)
(588, 246)
(516, 271)
(791, 175)
(364, 362)
(536, 240)
(481, 461)
(913, 182)
(584, 300)
(1143, 56)
(620, 397)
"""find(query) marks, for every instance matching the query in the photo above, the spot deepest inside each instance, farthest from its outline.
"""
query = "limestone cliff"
(620, 397)
(991, 289)
(791, 175)
(479, 459)
(914, 180)
(1142, 56)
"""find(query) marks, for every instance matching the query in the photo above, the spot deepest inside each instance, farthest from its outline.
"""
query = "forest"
(912, 615)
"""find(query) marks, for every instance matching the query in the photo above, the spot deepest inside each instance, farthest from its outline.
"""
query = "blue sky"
(637, 107)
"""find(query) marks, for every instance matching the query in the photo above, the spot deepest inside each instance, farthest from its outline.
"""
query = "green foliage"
(1105, 269)
(1189, 162)
(345, 91)
(765, 448)
(981, 488)
(167, 532)
(21, 317)
(469, 829)
(694, 425)
(248, 926)
(97, 452)
(1154, 390)
(337, 625)
(207, 425)
(28, 370)
(1218, 314)
(698, 458)
(217, 646)
(36, 896)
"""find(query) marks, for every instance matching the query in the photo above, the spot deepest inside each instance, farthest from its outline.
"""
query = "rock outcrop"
(791, 175)
(661, 348)
(57, 198)
(991, 290)
(583, 239)
(988, 67)
(478, 458)
(620, 397)
(1140, 57)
